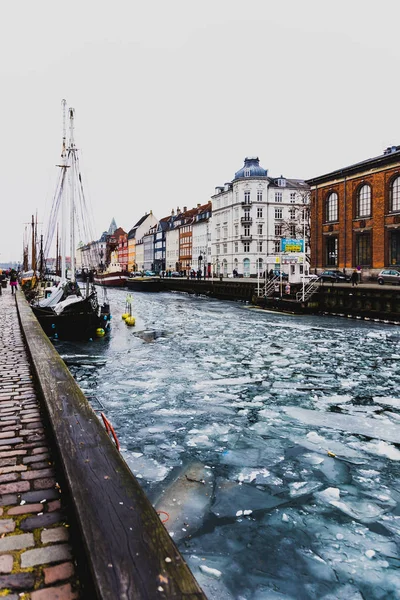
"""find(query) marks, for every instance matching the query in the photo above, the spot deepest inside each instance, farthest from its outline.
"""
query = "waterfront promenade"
(36, 558)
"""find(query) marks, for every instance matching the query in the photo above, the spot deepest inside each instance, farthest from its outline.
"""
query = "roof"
(251, 168)
(389, 156)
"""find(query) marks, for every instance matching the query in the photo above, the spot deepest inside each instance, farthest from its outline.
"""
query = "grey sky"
(171, 95)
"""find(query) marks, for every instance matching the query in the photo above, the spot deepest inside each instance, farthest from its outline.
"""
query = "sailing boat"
(66, 313)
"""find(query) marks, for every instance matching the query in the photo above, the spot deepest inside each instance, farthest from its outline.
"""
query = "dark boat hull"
(143, 285)
(77, 322)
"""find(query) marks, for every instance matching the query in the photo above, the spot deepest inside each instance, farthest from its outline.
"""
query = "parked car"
(149, 274)
(175, 274)
(136, 274)
(334, 275)
(389, 276)
(277, 273)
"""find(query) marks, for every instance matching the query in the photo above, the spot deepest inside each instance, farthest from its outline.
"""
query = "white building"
(201, 239)
(172, 244)
(250, 216)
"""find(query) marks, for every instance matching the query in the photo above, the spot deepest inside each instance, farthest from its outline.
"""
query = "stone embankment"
(36, 558)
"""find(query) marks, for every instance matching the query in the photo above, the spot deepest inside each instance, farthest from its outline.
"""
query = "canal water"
(270, 442)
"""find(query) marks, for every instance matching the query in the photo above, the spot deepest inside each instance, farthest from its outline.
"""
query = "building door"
(246, 267)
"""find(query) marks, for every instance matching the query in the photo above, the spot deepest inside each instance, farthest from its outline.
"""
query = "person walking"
(13, 281)
(354, 278)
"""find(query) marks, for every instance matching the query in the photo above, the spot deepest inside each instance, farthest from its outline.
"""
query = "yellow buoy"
(125, 316)
(130, 320)
(100, 332)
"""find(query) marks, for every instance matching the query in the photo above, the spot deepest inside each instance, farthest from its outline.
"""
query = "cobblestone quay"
(36, 558)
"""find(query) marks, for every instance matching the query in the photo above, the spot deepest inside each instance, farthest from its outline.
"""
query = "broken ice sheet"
(231, 497)
(356, 508)
(372, 428)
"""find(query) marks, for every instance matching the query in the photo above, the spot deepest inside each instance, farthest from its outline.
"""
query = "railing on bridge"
(309, 290)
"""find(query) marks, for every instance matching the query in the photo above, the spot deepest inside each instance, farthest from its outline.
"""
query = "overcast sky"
(171, 95)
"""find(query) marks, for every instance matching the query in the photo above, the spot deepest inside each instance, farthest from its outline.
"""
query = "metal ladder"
(268, 288)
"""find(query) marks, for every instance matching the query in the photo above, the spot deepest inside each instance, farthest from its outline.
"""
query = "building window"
(259, 247)
(278, 213)
(246, 246)
(237, 196)
(247, 197)
(278, 230)
(236, 213)
(225, 232)
(218, 249)
(277, 246)
(281, 182)
(364, 202)
(293, 231)
(394, 248)
(259, 195)
(247, 213)
(259, 229)
(236, 247)
(395, 195)
(363, 249)
(247, 230)
(225, 248)
(278, 196)
(247, 172)
(236, 229)
(331, 248)
(292, 197)
(259, 213)
(292, 213)
(332, 207)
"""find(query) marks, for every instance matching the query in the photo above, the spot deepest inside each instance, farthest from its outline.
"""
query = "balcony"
(246, 220)
(246, 203)
(246, 238)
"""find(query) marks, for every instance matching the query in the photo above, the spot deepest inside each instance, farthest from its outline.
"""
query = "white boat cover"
(54, 297)
(58, 309)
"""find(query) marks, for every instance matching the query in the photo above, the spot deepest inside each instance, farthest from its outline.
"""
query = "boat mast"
(33, 244)
(64, 200)
(72, 155)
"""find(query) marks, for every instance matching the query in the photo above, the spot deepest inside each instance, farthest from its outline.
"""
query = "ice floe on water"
(272, 443)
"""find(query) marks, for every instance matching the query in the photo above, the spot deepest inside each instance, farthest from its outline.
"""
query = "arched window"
(246, 267)
(395, 194)
(364, 201)
(332, 207)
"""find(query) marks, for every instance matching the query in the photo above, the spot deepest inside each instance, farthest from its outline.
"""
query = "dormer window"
(247, 172)
(281, 182)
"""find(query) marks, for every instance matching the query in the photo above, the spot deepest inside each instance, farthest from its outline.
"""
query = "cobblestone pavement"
(36, 560)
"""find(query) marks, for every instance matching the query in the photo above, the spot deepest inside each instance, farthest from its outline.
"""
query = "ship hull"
(110, 279)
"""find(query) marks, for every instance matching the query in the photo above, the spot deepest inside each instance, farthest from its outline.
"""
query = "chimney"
(198, 205)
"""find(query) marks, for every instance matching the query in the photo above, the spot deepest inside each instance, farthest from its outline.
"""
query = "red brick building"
(355, 215)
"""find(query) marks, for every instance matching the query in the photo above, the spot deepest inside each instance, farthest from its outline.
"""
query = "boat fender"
(130, 321)
(100, 332)
(53, 326)
(125, 316)
(110, 429)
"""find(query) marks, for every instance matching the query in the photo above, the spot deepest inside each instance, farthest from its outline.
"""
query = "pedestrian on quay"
(13, 280)
(354, 278)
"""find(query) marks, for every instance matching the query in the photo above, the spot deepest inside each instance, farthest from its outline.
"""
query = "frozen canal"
(271, 441)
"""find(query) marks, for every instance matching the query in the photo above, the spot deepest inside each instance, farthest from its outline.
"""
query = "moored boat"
(117, 279)
(66, 311)
(144, 284)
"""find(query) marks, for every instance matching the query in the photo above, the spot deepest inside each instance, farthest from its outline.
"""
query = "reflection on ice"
(271, 441)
